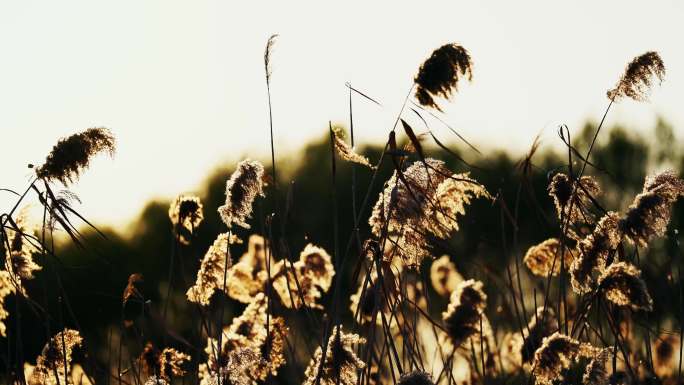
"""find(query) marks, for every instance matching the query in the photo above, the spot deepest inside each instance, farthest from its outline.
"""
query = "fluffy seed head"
(666, 353)
(267, 56)
(416, 377)
(242, 188)
(186, 215)
(341, 364)
(248, 277)
(237, 369)
(70, 156)
(7, 287)
(556, 353)
(304, 281)
(295, 285)
(449, 202)
(374, 298)
(572, 198)
(344, 151)
(318, 263)
(171, 363)
(212, 271)
(649, 214)
(165, 364)
(596, 372)
(440, 73)
(156, 380)
(247, 332)
(542, 257)
(55, 353)
(638, 78)
(510, 349)
(622, 285)
(424, 199)
(542, 324)
(463, 314)
(594, 251)
(444, 276)
(132, 299)
(19, 255)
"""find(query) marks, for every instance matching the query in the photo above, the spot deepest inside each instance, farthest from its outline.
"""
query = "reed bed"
(384, 305)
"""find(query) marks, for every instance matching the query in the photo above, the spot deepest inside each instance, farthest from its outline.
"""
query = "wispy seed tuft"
(241, 189)
(622, 285)
(440, 73)
(542, 257)
(70, 156)
(210, 277)
(637, 80)
(341, 364)
(649, 214)
(186, 215)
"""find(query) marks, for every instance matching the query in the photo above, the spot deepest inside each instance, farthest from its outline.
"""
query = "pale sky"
(181, 83)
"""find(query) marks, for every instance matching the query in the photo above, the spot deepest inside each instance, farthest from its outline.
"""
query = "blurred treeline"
(94, 276)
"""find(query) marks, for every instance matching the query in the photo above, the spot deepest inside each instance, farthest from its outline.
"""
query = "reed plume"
(19, 256)
(571, 197)
(637, 80)
(304, 281)
(132, 299)
(426, 198)
(210, 276)
(463, 314)
(444, 276)
(666, 355)
(622, 284)
(376, 297)
(341, 364)
(156, 380)
(544, 257)
(440, 73)
(649, 214)
(50, 365)
(7, 287)
(249, 275)
(542, 324)
(449, 202)
(171, 363)
(295, 286)
(510, 349)
(70, 156)
(594, 251)
(248, 331)
(149, 359)
(165, 364)
(318, 264)
(237, 370)
(344, 151)
(244, 185)
(267, 56)
(596, 372)
(557, 353)
(186, 215)
(416, 377)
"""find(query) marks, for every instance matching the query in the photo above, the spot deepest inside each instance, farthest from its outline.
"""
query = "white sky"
(181, 82)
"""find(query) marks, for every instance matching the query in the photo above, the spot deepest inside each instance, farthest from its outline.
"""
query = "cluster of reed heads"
(589, 325)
